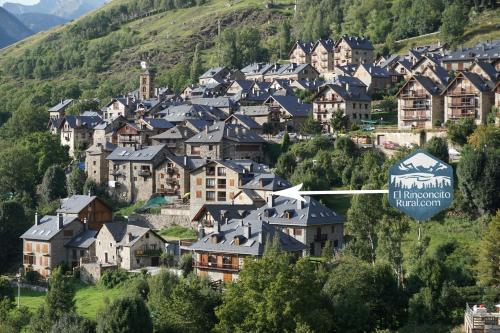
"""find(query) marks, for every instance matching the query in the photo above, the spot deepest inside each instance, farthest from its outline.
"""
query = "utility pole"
(18, 275)
(218, 42)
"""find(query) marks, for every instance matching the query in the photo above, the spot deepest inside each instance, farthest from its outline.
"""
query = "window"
(210, 196)
(333, 229)
(297, 232)
(221, 196)
(221, 171)
(210, 183)
(147, 235)
(110, 244)
(221, 183)
(210, 147)
(354, 115)
(231, 182)
(82, 253)
(198, 194)
(198, 181)
(135, 179)
(94, 163)
(353, 105)
(366, 106)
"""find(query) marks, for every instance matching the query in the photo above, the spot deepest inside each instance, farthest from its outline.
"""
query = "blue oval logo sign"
(420, 185)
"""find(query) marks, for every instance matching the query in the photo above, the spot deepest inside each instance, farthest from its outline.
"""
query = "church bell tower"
(147, 82)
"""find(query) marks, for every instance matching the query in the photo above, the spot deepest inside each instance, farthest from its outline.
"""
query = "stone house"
(420, 103)
(105, 131)
(219, 181)
(220, 106)
(222, 140)
(130, 135)
(353, 50)
(44, 243)
(261, 114)
(59, 110)
(174, 138)
(468, 96)
(245, 121)
(312, 86)
(86, 208)
(81, 248)
(464, 57)
(133, 172)
(128, 246)
(323, 56)
(77, 132)
(291, 72)
(122, 106)
(256, 71)
(96, 164)
(301, 52)
(216, 74)
(220, 255)
(292, 111)
(238, 86)
(376, 79)
(265, 183)
(309, 222)
(173, 175)
(349, 97)
(209, 214)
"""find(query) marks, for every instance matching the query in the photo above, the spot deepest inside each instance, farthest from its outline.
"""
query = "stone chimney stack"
(37, 219)
(201, 231)
(247, 231)
(85, 224)
(270, 201)
(216, 227)
(300, 204)
(60, 220)
(129, 237)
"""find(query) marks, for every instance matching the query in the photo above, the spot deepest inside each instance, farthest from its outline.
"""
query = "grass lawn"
(129, 210)
(88, 299)
(389, 118)
(176, 232)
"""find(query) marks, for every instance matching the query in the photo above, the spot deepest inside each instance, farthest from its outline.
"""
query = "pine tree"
(53, 184)
(60, 297)
(76, 181)
(196, 66)
(489, 260)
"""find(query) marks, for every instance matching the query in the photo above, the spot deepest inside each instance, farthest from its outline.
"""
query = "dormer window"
(288, 214)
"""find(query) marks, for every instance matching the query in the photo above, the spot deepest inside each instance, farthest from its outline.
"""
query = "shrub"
(112, 278)
(186, 264)
(32, 277)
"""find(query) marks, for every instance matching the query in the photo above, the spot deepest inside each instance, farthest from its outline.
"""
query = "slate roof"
(98, 148)
(350, 80)
(477, 81)
(483, 51)
(288, 69)
(130, 154)
(221, 212)
(176, 132)
(212, 72)
(376, 71)
(307, 85)
(292, 105)
(199, 124)
(256, 68)
(158, 123)
(267, 182)
(216, 102)
(248, 167)
(86, 122)
(391, 60)
(83, 240)
(246, 120)
(187, 162)
(262, 85)
(354, 93)
(356, 42)
(257, 97)
(75, 204)
(256, 110)
(328, 44)
(489, 70)
(312, 212)
(260, 233)
(430, 86)
(245, 85)
(120, 230)
(183, 112)
(61, 105)
(405, 63)
(307, 47)
(221, 130)
(47, 228)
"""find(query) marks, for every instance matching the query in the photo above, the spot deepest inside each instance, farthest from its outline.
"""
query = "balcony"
(462, 114)
(144, 173)
(414, 94)
(148, 253)
(216, 266)
(415, 116)
(462, 92)
(321, 238)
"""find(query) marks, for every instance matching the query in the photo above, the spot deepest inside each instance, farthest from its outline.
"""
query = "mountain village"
(199, 158)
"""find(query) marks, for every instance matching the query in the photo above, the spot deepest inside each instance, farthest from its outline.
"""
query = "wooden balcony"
(463, 92)
(415, 107)
(462, 114)
(414, 95)
(415, 115)
(216, 266)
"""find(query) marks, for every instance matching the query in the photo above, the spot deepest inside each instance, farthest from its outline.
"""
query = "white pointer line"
(295, 192)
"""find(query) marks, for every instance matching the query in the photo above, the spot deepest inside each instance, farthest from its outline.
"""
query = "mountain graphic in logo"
(421, 185)
(420, 171)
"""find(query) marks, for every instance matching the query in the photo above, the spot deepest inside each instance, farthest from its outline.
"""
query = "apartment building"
(420, 103)
(301, 52)
(323, 56)
(353, 50)
(133, 172)
(173, 175)
(220, 254)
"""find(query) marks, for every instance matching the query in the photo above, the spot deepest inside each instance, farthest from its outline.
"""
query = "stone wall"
(167, 218)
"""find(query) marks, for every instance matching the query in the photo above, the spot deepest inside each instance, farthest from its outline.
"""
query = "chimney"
(201, 231)
(85, 224)
(37, 219)
(260, 237)
(60, 220)
(347, 86)
(241, 223)
(270, 201)
(185, 160)
(300, 204)
(216, 227)
(129, 237)
(247, 231)
(206, 128)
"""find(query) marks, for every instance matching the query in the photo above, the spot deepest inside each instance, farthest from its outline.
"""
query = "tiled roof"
(158, 123)
(98, 148)
(328, 44)
(120, 231)
(47, 228)
(256, 110)
(256, 68)
(260, 233)
(352, 93)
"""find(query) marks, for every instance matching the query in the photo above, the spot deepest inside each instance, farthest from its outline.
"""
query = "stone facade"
(346, 51)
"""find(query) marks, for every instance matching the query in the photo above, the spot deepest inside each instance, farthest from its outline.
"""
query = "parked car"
(390, 145)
